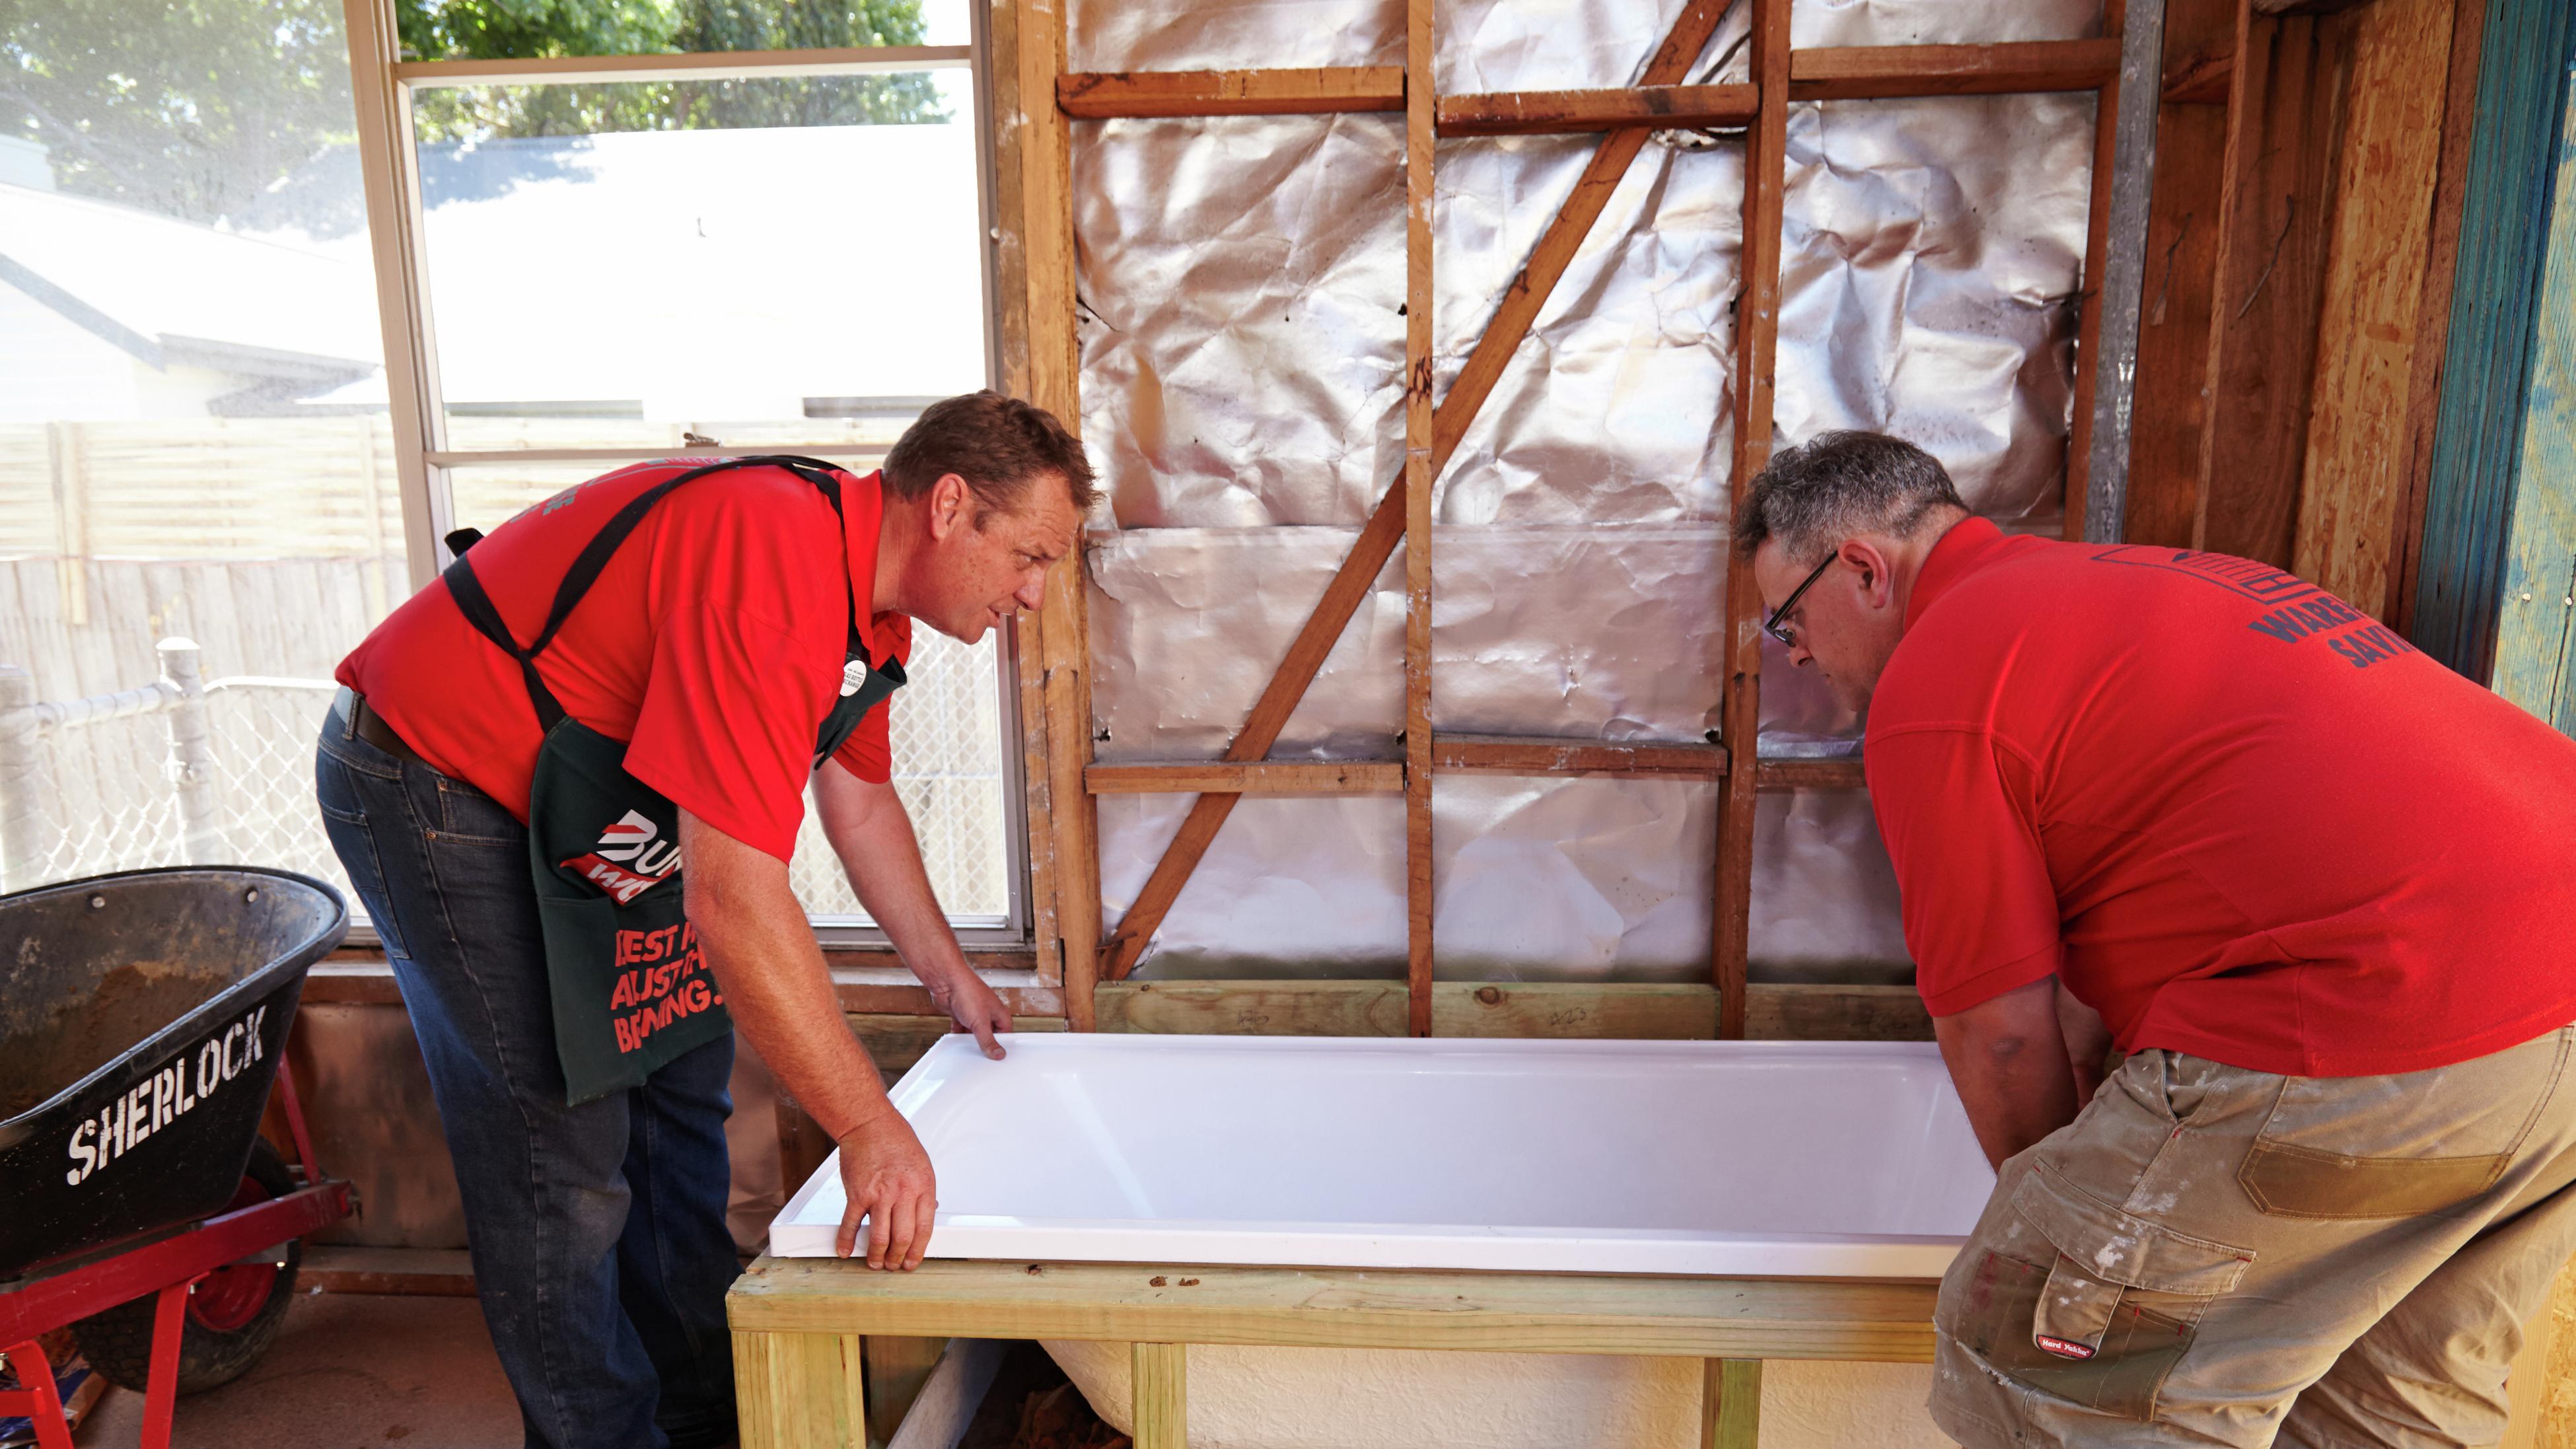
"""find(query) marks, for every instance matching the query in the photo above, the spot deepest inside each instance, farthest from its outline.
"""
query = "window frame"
(382, 86)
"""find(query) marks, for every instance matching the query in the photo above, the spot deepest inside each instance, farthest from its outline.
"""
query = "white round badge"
(853, 674)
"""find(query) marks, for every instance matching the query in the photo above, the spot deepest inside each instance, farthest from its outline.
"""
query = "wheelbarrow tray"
(142, 1019)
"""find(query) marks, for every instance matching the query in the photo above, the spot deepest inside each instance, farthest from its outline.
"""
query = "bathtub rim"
(1454, 1247)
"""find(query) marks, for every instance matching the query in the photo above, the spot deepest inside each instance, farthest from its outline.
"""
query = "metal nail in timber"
(629, 987)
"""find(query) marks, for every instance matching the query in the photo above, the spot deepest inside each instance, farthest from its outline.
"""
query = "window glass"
(791, 258)
(503, 30)
(197, 482)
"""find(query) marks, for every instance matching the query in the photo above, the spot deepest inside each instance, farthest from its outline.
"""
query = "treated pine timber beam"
(1158, 1398)
(1880, 1321)
(1548, 755)
(1531, 113)
(896, 1370)
(865, 979)
(1007, 124)
(1627, 1011)
(1730, 1404)
(1757, 337)
(1876, 72)
(2373, 333)
(1102, 95)
(1476, 754)
(1040, 135)
(2199, 80)
(1837, 774)
(2177, 294)
(1258, 777)
(1420, 147)
(2275, 218)
(1823, 73)
(1386, 524)
(2078, 490)
(800, 1389)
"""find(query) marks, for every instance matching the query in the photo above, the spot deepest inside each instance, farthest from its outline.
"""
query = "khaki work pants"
(2210, 1255)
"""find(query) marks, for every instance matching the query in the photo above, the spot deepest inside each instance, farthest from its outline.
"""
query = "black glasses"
(1772, 625)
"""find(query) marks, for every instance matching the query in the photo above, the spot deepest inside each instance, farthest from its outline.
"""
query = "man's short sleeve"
(1980, 912)
(869, 751)
(720, 731)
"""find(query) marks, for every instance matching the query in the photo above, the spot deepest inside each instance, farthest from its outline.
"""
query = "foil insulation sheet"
(1569, 879)
(1242, 347)
(1495, 45)
(1617, 408)
(1931, 258)
(1242, 342)
(1232, 34)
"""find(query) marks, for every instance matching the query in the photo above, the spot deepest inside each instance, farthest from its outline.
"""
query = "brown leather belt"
(371, 727)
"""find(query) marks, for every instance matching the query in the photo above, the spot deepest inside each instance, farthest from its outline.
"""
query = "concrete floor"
(349, 1371)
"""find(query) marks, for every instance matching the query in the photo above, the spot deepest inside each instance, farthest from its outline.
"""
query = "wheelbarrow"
(143, 1020)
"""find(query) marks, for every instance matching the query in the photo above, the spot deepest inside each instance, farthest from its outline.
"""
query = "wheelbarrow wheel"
(232, 1317)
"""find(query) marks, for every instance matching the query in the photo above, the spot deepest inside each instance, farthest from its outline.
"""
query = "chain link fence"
(183, 770)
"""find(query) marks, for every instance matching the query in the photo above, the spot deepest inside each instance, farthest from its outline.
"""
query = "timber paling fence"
(137, 777)
(184, 770)
(276, 544)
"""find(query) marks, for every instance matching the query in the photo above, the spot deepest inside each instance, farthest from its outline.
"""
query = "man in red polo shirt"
(2317, 887)
(649, 668)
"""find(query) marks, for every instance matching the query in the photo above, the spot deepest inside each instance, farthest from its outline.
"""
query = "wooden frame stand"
(799, 1323)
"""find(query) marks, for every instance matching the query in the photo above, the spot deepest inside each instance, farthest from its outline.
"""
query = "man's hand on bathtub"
(887, 1177)
(972, 1005)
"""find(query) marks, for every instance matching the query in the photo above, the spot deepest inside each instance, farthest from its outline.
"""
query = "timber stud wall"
(1038, 288)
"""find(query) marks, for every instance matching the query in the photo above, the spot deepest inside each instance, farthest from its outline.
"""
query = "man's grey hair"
(1814, 497)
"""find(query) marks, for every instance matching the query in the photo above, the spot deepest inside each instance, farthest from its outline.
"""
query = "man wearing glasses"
(2318, 888)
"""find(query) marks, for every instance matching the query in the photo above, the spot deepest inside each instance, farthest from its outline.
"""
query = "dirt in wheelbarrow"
(48, 1044)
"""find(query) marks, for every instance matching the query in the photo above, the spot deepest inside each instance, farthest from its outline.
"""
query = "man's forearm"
(873, 836)
(775, 984)
(2008, 1059)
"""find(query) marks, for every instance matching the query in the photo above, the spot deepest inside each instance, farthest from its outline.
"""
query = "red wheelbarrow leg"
(161, 1395)
(35, 1396)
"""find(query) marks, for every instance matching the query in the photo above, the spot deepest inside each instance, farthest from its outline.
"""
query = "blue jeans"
(598, 1232)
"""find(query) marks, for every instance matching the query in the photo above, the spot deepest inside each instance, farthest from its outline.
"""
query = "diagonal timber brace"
(1385, 528)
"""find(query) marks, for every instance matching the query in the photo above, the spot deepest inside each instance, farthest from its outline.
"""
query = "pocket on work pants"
(2400, 1146)
(2105, 1318)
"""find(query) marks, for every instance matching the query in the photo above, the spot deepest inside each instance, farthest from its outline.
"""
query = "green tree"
(214, 109)
(880, 100)
(531, 29)
(197, 111)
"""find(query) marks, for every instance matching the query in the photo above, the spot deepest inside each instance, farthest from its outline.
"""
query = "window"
(706, 230)
(634, 230)
(196, 520)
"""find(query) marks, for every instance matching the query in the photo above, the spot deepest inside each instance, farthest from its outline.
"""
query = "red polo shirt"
(712, 643)
(2234, 815)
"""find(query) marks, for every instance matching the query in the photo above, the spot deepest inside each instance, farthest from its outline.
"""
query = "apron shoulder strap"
(479, 610)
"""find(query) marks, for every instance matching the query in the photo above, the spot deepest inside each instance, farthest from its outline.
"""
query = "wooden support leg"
(1730, 1406)
(1160, 1396)
(897, 1368)
(799, 1390)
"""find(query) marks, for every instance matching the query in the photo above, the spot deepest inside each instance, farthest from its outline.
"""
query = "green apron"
(629, 985)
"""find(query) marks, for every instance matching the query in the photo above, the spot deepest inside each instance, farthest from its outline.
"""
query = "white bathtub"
(1808, 1159)
(1804, 1159)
